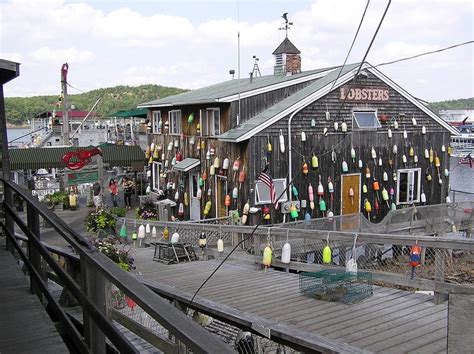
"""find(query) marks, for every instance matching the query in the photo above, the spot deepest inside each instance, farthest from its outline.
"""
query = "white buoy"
(303, 136)
(225, 164)
(153, 232)
(423, 130)
(344, 127)
(282, 142)
(147, 228)
(336, 126)
(286, 253)
(361, 164)
(423, 197)
(405, 134)
(220, 245)
(141, 232)
(395, 124)
(389, 133)
(413, 120)
(175, 238)
(395, 149)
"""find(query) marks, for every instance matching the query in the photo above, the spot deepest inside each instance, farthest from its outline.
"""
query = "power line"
(290, 182)
(423, 54)
(350, 49)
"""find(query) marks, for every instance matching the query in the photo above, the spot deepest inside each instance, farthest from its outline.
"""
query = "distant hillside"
(462, 103)
(19, 109)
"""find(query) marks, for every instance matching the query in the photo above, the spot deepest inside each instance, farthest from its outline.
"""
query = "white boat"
(463, 144)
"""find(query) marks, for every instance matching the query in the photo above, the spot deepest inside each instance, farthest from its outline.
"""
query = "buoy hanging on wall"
(303, 136)
(344, 127)
(423, 130)
(225, 164)
(389, 133)
(311, 196)
(395, 149)
(220, 245)
(314, 161)
(395, 124)
(313, 122)
(267, 257)
(353, 154)
(413, 120)
(153, 232)
(282, 142)
(345, 168)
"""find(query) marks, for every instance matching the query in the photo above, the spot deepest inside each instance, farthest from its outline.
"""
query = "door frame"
(192, 198)
(342, 188)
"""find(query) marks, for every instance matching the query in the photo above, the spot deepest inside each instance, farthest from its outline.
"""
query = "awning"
(186, 165)
(36, 158)
(139, 112)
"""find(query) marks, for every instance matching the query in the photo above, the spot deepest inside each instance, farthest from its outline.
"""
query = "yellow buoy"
(327, 254)
(267, 256)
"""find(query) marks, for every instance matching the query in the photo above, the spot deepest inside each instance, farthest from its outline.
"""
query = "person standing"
(127, 185)
(113, 189)
(97, 191)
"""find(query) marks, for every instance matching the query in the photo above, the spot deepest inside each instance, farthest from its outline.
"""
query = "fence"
(381, 248)
(87, 280)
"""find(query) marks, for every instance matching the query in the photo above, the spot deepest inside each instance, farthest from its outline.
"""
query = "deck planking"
(25, 327)
(390, 320)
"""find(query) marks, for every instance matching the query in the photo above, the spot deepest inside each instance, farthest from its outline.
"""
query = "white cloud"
(70, 55)
(162, 42)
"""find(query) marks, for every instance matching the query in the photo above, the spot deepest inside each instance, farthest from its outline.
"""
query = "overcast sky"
(191, 44)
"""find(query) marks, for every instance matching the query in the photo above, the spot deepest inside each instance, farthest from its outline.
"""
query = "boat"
(463, 144)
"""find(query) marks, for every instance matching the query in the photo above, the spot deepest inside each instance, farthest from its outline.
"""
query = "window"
(155, 122)
(210, 121)
(175, 122)
(156, 175)
(365, 120)
(262, 191)
(408, 183)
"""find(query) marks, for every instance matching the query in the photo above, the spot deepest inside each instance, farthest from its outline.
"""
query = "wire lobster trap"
(336, 285)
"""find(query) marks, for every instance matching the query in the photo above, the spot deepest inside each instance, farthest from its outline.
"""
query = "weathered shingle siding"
(361, 140)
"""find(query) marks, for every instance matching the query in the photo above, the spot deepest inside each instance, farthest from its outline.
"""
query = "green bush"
(101, 219)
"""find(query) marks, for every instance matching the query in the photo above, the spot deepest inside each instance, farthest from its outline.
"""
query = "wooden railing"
(96, 271)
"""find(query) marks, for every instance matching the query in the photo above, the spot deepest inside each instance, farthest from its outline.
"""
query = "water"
(462, 179)
(14, 133)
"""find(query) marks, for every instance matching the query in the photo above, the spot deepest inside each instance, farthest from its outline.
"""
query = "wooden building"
(352, 139)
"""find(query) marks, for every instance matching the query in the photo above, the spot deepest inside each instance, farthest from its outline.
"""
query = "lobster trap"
(336, 285)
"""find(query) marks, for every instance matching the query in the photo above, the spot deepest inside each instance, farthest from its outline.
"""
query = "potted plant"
(147, 210)
(103, 221)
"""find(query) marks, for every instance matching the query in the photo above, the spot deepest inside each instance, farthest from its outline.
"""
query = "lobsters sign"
(364, 94)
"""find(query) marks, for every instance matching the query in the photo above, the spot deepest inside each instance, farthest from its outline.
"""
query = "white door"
(194, 204)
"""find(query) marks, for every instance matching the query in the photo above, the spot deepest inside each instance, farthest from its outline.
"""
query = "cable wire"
(423, 54)
(288, 185)
(352, 44)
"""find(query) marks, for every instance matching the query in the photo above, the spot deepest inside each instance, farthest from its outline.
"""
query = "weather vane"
(287, 25)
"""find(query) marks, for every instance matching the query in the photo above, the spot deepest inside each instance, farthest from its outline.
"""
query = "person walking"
(127, 185)
(113, 189)
(97, 191)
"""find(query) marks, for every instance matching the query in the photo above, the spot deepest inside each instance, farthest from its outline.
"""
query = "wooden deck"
(392, 320)
(25, 327)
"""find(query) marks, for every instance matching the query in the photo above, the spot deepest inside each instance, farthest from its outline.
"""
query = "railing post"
(94, 286)
(440, 266)
(9, 224)
(34, 255)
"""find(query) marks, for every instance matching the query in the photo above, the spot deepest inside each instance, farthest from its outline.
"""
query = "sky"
(191, 44)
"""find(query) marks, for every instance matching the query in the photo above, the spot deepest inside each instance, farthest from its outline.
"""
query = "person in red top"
(113, 189)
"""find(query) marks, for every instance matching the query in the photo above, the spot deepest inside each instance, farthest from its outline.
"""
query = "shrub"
(101, 219)
(116, 252)
(147, 210)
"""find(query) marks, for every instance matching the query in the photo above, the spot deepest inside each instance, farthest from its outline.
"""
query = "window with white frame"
(211, 121)
(155, 174)
(155, 122)
(408, 186)
(365, 120)
(175, 122)
(262, 191)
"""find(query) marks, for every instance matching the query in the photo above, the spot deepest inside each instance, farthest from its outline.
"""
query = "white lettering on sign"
(364, 94)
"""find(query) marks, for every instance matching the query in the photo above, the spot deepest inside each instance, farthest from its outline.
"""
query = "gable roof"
(229, 91)
(286, 47)
(310, 94)
(281, 109)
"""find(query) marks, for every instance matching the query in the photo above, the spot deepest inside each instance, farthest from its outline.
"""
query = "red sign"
(364, 94)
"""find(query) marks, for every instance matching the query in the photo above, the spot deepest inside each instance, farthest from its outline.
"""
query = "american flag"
(268, 181)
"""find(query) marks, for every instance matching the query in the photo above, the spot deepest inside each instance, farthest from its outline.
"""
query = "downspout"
(290, 176)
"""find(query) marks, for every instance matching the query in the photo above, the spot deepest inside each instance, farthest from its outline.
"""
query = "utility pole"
(64, 70)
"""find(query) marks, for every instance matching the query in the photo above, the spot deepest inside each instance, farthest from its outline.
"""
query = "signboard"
(45, 187)
(82, 177)
(364, 94)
